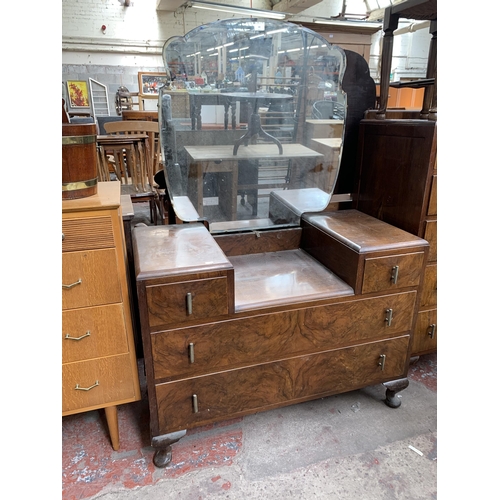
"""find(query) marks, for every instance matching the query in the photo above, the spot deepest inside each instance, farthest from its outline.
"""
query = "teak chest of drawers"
(241, 323)
(99, 366)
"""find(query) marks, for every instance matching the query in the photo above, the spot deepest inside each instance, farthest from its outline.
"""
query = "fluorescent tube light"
(238, 10)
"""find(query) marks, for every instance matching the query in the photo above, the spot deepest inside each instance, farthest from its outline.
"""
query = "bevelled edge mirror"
(251, 123)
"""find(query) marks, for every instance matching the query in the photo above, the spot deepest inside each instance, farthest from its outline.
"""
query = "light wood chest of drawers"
(99, 366)
(238, 324)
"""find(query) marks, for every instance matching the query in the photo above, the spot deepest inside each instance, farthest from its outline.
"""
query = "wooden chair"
(143, 160)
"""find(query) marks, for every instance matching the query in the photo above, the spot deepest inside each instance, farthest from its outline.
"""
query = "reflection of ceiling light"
(237, 10)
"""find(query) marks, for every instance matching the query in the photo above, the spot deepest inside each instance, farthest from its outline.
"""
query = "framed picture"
(150, 83)
(78, 94)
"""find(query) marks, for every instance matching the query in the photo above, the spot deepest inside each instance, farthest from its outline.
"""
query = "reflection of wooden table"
(220, 159)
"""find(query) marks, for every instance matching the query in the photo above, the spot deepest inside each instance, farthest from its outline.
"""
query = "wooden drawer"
(429, 291)
(94, 276)
(430, 234)
(379, 274)
(113, 376)
(168, 303)
(257, 339)
(94, 332)
(87, 234)
(247, 390)
(426, 325)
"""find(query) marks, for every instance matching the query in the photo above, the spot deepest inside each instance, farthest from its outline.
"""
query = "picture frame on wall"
(78, 94)
(150, 83)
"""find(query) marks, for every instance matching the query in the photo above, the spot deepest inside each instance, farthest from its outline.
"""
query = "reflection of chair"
(143, 160)
(328, 110)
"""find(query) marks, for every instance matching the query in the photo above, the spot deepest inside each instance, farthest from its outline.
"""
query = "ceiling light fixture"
(238, 10)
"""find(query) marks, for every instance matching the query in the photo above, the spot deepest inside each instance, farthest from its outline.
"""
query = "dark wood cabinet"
(397, 183)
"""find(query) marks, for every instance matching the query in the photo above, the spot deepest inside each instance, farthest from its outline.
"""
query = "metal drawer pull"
(78, 388)
(195, 403)
(189, 303)
(432, 330)
(382, 362)
(73, 284)
(191, 352)
(77, 338)
(388, 318)
(394, 275)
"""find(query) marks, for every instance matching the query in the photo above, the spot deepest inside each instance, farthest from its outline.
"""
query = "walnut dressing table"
(250, 308)
(99, 366)
(237, 324)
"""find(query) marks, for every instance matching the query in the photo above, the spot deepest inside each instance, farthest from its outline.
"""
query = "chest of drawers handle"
(195, 403)
(382, 362)
(72, 284)
(394, 275)
(432, 330)
(78, 388)
(87, 334)
(388, 318)
(189, 303)
(191, 352)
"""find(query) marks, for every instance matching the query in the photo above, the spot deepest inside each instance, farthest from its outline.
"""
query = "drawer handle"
(432, 330)
(388, 318)
(189, 303)
(78, 388)
(191, 352)
(73, 284)
(77, 338)
(394, 275)
(195, 403)
(381, 363)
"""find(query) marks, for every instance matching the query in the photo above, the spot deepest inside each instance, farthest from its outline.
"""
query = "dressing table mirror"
(265, 86)
(264, 293)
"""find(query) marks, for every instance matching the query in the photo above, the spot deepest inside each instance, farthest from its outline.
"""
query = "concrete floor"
(348, 446)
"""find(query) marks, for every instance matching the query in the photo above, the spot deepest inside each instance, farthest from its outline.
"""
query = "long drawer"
(93, 332)
(187, 352)
(94, 383)
(200, 400)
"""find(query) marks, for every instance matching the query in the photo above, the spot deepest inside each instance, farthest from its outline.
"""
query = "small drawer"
(93, 332)
(392, 272)
(425, 336)
(91, 384)
(87, 234)
(195, 300)
(90, 279)
(429, 291)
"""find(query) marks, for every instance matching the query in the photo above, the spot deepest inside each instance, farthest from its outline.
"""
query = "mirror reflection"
(259, 139)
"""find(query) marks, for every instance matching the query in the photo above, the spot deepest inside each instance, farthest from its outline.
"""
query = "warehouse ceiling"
(409, 9)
